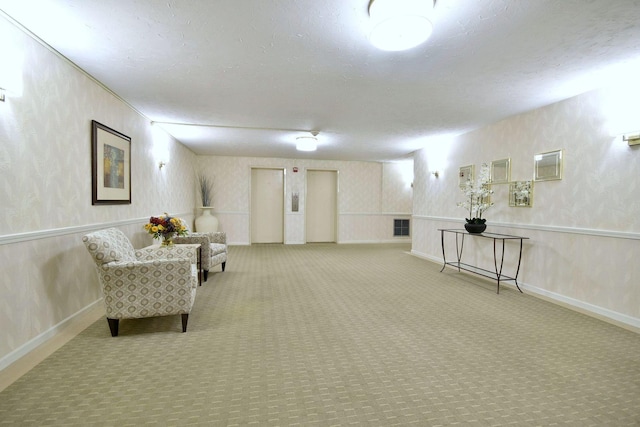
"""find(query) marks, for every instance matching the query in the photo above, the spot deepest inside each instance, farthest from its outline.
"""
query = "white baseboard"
(364, 242)
(610, 316)
(55, 330)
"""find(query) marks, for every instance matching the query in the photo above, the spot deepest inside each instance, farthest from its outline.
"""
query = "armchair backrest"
(109, 245)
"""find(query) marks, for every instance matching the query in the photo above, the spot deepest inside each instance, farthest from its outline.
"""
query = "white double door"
(268, 207)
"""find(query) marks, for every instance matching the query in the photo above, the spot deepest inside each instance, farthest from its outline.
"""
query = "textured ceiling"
(260, 73)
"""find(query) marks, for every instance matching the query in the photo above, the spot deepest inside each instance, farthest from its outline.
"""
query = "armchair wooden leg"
(223, 264)
(205, 274)
(185, 319)
(113, 326)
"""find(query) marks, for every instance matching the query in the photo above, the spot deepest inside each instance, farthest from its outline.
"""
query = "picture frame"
(501, 171)
(548, 166)
(521, 194)
(465, 174)
(110, 166)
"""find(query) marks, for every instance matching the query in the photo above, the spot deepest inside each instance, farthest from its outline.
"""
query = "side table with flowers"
(165, 227)
(478, 200)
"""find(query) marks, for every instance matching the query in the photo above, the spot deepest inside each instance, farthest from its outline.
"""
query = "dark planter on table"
(475, 228)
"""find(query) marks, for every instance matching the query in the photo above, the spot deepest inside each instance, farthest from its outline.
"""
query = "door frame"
(284, 199)
(306, 198)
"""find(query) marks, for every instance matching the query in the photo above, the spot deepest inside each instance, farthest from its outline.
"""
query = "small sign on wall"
(294, 202)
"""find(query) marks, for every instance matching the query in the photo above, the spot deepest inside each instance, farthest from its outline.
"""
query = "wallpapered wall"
(584, 230)
(370, 196)
(45, 187)
(45, 166)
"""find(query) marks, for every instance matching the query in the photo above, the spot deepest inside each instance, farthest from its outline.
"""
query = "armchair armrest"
(201, 238)
(167, 252)
(218, 237)
(213, 248)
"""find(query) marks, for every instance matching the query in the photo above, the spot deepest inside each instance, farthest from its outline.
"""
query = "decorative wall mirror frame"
(548, 166)
(521, 194)
(501, 171)
(466, 174)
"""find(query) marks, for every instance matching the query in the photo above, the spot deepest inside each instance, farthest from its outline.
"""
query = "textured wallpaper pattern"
(45, 171)
(368, 191)
(397, 193)
(599, 192)
(45, 166)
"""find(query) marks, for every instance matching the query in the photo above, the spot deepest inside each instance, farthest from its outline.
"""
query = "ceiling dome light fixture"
(400, 24)
(307, 143)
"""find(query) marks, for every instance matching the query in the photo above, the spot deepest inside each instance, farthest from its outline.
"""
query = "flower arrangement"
(478, 195)
(165, 227)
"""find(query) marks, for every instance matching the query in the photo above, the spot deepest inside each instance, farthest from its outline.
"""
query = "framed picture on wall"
(521, 194)
(548, 166)
(110, 166)
(465, 174)
(501, 171)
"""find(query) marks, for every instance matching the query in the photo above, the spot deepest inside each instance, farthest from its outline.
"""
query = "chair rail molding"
(550, 228)
(63, 231)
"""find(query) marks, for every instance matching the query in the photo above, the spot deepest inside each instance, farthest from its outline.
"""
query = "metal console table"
(497, 239)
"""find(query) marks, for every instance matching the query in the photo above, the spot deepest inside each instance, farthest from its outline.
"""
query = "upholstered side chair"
(213, 246)
(143, 283)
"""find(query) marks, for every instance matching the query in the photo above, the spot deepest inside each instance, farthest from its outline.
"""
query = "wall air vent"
(401, 227)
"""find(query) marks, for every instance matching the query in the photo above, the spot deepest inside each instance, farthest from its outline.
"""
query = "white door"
(267, 205)
(322, 200)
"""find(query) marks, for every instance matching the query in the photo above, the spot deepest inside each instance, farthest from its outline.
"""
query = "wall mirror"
(548, 166)
(466, 174)
(501, 171)
(521, 194)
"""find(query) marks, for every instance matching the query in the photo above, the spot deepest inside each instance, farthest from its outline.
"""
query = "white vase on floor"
(206, 223)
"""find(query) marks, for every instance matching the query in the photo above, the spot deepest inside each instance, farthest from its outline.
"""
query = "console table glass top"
(498, 242)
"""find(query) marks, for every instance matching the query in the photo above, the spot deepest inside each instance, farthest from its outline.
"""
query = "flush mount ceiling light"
(307, 143)
(400, 24)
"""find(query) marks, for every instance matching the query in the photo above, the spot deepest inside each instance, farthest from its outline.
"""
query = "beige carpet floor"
(340, 335)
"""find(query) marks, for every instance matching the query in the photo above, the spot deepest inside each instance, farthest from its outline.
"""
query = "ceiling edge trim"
(68, 61)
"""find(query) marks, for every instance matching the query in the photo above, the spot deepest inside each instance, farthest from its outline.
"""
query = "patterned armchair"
(144, 283)
(213, 246)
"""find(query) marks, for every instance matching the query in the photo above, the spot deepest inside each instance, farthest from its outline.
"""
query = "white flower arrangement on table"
(478, 196)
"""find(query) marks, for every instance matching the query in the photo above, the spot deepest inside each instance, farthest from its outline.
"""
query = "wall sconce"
(11, 68)
(161, 164)
(436, 174)
(632, 138)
